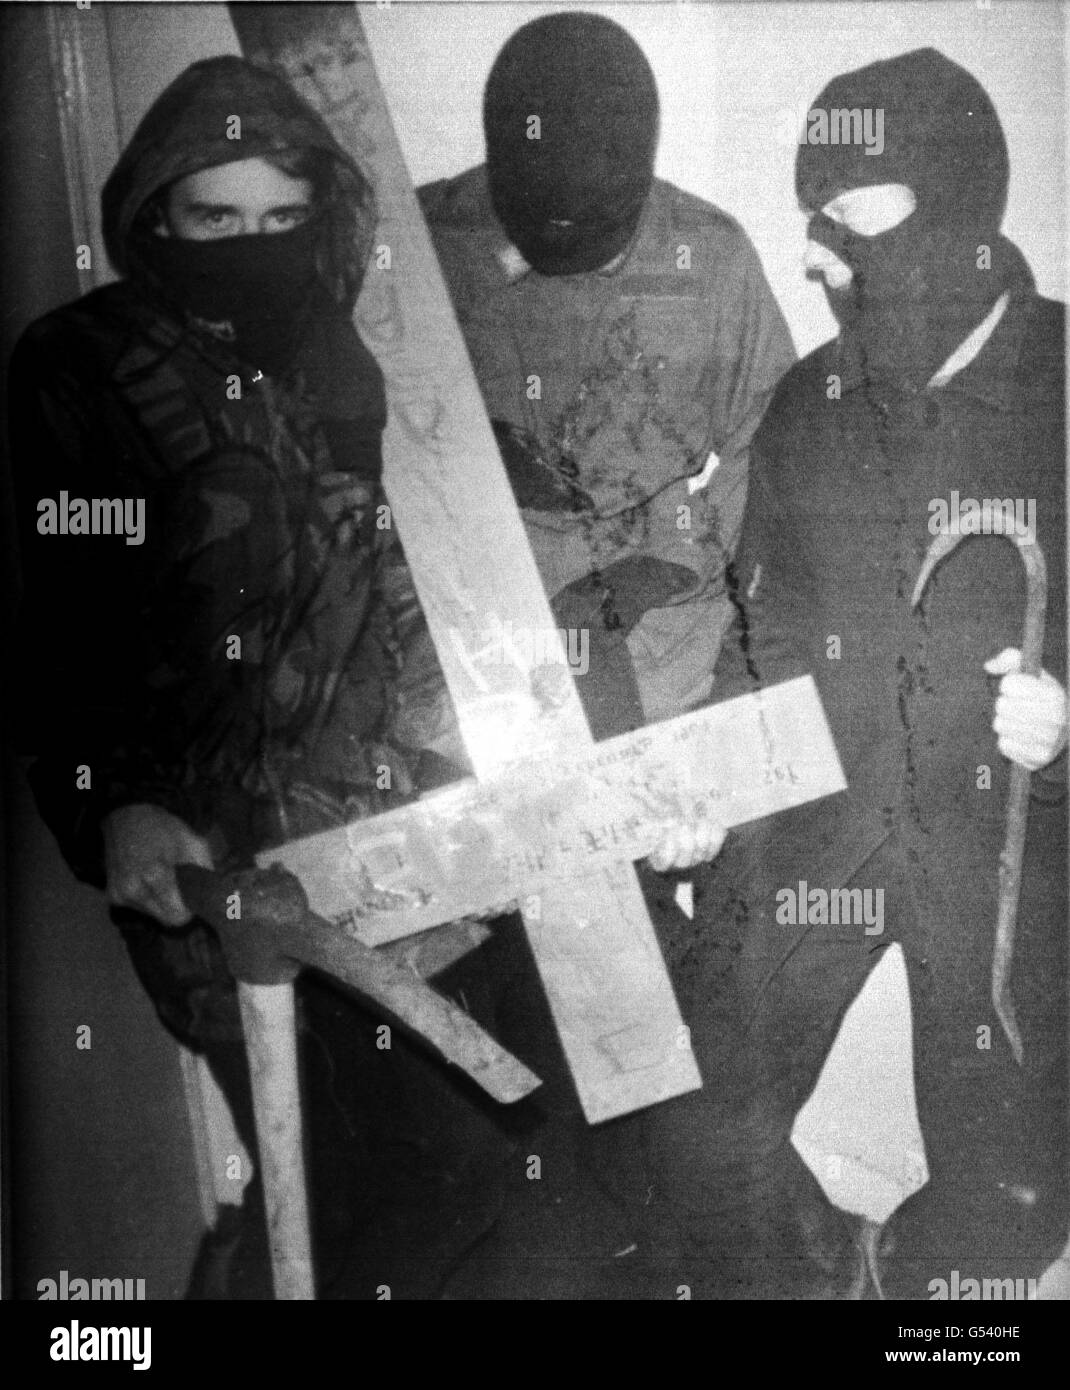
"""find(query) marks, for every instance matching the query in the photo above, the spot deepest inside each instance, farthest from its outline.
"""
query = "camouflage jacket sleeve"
(79, 697)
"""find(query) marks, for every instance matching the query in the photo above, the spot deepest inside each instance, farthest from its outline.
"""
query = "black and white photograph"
(535, 719)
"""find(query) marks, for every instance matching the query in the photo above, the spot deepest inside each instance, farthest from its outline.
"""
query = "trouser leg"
(556, 1229)
(184, 974)
(764, 1002)
(708, 1183)
(996, 1203)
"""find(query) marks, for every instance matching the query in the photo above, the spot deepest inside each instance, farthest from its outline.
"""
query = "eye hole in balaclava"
(920, 286)
(848, 236)
(571, 121)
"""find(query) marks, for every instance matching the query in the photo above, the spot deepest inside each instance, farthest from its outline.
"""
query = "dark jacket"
(261, 526)
(844, 475)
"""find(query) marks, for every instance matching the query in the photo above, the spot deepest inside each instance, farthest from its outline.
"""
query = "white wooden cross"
(551, 818)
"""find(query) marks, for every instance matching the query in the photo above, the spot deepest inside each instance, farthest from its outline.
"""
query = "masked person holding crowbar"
(942, 391)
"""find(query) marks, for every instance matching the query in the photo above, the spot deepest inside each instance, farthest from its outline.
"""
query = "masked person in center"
(227, 682)
(944, 383)
(626, 343)
(622, 332)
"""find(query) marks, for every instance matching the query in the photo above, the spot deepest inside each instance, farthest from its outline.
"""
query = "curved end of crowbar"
(990, 521)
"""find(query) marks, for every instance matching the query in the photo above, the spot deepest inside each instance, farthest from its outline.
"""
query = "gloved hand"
(687, 843)
(1031, 712)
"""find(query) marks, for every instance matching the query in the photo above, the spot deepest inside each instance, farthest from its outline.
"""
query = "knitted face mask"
(252, 292)
(914, 294)
(919, 287)
(571, 116)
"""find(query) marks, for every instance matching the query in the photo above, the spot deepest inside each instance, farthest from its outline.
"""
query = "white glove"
(1031, 714)
(688, 843)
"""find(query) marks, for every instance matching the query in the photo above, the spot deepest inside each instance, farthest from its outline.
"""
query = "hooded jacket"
(186, 130)
(237, 666)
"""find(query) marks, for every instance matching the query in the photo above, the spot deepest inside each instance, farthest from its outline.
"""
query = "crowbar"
(995, 521)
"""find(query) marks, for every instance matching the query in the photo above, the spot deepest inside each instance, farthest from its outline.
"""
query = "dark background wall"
(97, 1148)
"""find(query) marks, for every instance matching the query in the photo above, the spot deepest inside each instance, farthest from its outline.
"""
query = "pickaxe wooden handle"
(268, 931)
(997, 522)
(277, 932)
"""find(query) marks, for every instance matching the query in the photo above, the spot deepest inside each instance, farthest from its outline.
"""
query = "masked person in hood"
(945, 383)
(224, 680)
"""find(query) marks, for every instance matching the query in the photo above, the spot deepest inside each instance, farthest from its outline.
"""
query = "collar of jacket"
(989, 376)
(160, 331)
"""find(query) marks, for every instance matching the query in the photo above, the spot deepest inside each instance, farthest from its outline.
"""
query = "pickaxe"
(268, 932)
(276, 933)
(996, 521)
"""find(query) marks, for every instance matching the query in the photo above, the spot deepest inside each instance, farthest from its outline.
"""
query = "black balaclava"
(917, 289)
(592, 165)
